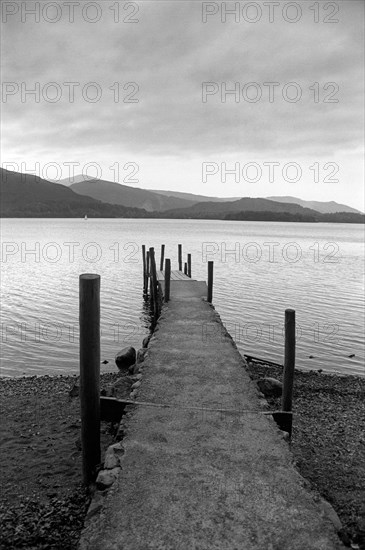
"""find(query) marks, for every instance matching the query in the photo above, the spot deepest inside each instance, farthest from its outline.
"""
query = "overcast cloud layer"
(168, 53)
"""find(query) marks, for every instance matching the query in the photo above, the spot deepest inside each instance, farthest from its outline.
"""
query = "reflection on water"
(260, 269)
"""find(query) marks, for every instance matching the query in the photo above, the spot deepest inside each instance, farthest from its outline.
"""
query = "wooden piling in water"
(145, 282)
(167, 279)
(210, 281)
(162, 257)
(154, 283)
(289, 365)
(89, 319)
(189, 265)
(179, 250)
(185, 268)
(148, 270)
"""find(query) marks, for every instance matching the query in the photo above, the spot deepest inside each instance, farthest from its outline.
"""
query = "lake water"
(316, 269)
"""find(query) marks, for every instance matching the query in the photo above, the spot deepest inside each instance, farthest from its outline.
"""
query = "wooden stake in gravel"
(289, 363)
(89, 303)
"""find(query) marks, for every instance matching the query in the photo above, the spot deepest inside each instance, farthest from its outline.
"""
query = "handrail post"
(162, 257)
(167, 279)
(210, 281)
(179, 249)
(189, 265)
(89, 318)
(289, 364)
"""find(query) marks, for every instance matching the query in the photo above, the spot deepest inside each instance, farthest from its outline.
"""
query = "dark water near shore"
(317, 269)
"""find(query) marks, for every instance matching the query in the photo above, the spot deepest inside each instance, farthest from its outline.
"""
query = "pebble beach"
(43, 503)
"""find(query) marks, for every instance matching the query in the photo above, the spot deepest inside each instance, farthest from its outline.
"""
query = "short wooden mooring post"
(162, 257)
(210, 281)
(289, 366)
(179, 250)
(167, 279)
(189, 265)
(185, 268)
(89, 318)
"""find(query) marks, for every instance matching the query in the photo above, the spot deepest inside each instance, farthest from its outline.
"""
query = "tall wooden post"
(152, 287)
(189, 265)
(289, 365)
(162, 257)
(148, 269)
(210, 281)
(167, 279)
(144, 269)
(179, 249)
(89, 318)
(154, 283)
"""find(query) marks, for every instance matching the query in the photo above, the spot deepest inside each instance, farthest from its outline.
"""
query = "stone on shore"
(328, 511)
(270, 387)
(106, 478)
(146, 341)
(125, 358)
(113, 456)
(141, 354)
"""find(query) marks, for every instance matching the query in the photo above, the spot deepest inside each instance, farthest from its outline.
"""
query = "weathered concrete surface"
(201, 479)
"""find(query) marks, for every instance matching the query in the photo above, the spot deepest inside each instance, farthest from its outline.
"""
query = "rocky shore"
(328, 441)
(42, 501)
(43, 504)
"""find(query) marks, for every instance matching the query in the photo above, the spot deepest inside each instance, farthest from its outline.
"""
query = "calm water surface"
(260, 269)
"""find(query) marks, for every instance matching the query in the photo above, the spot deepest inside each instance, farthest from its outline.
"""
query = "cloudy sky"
(136, 92)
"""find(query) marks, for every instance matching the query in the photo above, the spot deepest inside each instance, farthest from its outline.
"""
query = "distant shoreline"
(333, 218)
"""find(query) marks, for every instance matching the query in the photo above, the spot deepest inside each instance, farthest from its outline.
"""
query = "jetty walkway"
(211, 472)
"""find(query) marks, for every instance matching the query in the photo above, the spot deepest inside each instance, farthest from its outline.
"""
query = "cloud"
(169, 53)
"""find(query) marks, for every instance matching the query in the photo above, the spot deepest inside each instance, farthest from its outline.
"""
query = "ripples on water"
(325, 287)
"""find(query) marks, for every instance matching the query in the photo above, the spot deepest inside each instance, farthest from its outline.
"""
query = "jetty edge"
(193, 475)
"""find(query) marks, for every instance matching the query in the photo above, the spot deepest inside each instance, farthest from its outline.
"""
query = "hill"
(329, 207)
(258, 209)
(24, 195)
(116, 193)
(219, 209)
(195, 198)
(69, 181)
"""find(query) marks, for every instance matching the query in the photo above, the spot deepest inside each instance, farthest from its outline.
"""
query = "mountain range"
(30, 196)
(25, 195)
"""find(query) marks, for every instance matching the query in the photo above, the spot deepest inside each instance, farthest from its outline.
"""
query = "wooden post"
(144, 269)
(89, 318)
(162, 257)
(179, 246)
(210, 281)
(189, 265)
(289, 362)
(154, 287)
(185, 268)
(148, 270)
(167, 279)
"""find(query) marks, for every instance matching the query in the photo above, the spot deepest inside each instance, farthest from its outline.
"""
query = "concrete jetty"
(212, 472)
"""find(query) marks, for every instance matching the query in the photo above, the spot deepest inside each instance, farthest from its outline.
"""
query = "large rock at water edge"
(270, 387)
(125, 358)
